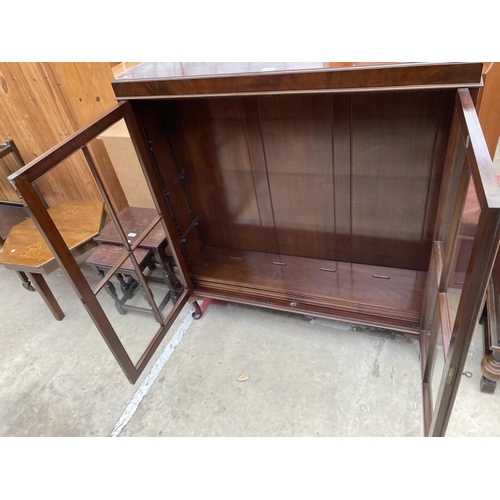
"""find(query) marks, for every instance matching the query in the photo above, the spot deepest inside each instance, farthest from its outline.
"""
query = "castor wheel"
(197, 310)
(28, 286)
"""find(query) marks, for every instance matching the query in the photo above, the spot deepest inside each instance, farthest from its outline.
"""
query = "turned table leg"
(43, 289)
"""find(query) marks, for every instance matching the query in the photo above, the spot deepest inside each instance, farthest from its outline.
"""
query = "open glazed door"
(467, 241)
(128, 264)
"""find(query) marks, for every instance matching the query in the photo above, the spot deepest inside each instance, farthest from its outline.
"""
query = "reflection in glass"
(437, 373)
(105, 211)
(465, 239)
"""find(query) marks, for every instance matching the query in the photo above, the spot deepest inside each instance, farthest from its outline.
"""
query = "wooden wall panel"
(489, 108)
(43, 103)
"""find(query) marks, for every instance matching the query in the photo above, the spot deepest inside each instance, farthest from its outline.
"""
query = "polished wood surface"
(134, 221)
(297, 141)
(78, 223)
(225, 174)
(105, 257)
(9, 217)
(236, 179)
(47, 296)
(467, 159)
(347, 177)
(163, 80)
(388, 292)
(393, 147)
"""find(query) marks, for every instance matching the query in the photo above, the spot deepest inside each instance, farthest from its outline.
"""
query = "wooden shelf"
(359, 290)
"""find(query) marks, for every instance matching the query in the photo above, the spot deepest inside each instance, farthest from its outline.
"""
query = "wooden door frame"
(22, 181)
(476, 167)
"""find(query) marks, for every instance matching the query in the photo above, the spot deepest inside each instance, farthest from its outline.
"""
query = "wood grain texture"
(345, 177)
(78, 222)
(134, 221)
(43, 103)
(393, 141)
(297, 139)
(9, 217)
(483, 173)
(216, 135)
(341, 128)
(387, 292)
(105, 257)
(8, 166)
(160, 81)
(173, 178)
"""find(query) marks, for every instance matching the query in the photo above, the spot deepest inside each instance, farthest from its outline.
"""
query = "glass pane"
(437, 373)
(451, 189)
(465, 240)
(129, 311)
(101, 204)
(76, 207)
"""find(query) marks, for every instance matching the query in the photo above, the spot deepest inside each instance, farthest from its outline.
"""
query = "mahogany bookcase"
(313, 188)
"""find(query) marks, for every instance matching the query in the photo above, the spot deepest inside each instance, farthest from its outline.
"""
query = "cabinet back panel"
(297, 139)
(216, 136)
(392, 144)
(349, 177)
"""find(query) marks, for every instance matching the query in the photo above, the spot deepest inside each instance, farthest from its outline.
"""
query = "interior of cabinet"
(326, 201)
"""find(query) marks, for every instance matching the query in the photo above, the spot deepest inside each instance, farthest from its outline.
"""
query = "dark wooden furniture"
(104, 258)
(329, 191)
(25, 250)
(11, 210)
(134, 221)
(490, 364)
(150, 252)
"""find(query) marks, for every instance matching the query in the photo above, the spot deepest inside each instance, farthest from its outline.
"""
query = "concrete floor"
(308, 377)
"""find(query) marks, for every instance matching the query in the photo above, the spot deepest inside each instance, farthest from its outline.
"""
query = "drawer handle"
(327, 270)
(381, 277)
(279, 263)
(235, 258)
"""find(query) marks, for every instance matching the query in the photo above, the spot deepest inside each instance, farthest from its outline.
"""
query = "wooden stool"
(106, 256)
(135, 221)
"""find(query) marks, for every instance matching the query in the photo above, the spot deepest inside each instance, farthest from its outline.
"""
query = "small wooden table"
(25, 249)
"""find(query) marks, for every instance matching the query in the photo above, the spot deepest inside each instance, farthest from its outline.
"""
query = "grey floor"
(307, 377)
